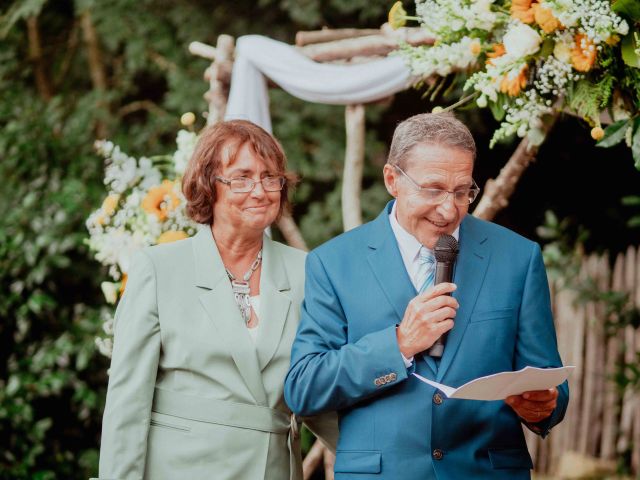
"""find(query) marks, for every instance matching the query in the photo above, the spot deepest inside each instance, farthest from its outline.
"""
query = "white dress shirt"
(409, 247)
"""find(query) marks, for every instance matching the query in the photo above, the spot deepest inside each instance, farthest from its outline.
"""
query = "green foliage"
(47, 329)
(587, 98)
(52, 380)
(564, 258)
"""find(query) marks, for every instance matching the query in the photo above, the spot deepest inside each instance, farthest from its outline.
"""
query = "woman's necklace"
(241, 289)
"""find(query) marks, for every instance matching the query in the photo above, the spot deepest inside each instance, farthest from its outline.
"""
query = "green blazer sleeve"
(134, 365)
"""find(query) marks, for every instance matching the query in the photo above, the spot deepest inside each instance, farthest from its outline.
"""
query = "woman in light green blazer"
(204, 330)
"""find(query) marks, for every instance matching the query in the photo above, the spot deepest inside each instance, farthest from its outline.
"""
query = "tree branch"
(96, 67)
(45, 90)
(138, 105)
(72, 45)
(498, 192)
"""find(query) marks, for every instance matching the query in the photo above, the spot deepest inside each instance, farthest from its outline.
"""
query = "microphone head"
(446, 249)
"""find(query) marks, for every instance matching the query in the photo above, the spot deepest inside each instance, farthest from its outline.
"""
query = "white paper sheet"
(500, 385)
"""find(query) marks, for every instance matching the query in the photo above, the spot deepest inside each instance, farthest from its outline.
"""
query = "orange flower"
(583, 55)
(521, 9)
(475, 47)
(171, 236)
(160, 200)
(544, 17)
(498, 51)
(123, 283)
(513, 82)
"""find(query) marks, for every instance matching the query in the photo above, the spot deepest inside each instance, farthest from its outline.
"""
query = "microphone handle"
(444, 273)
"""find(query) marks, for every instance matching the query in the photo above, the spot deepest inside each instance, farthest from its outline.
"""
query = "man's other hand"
(534, 406)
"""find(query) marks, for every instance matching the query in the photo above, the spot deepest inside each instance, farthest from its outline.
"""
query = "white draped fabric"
(259, 58)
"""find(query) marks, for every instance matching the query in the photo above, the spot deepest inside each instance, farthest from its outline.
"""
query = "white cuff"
(407, 361)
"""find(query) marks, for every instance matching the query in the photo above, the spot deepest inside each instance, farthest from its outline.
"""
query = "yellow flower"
(437, 109)
(188, 119)
(160, 200)
(110, 203)
(171, 236)
(612, 40)
(521, 9)
(583, 55)
(475, 48)
(397, 16)
(513, 82)
(544, 17)
(597, 133)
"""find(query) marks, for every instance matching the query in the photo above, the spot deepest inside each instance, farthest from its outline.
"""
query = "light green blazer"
(190, 396)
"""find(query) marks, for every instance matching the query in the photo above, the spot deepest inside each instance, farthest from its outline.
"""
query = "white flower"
(562, 49)
(110, 291)
(521, 40)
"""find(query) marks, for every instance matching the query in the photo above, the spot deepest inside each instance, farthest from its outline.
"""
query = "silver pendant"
(241, 296)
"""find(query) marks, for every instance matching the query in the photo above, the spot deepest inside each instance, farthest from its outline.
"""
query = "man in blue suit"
(371, 313)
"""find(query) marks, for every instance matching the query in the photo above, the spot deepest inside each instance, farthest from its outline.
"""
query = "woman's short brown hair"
(227, 138)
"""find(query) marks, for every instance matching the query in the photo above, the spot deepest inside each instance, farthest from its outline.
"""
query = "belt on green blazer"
(240, 415)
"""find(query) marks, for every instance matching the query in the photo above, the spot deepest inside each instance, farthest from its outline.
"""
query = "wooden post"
(313, 459)
(628, 401)
(611, 406)
(290, 232)
(353, 164)
(218, 91)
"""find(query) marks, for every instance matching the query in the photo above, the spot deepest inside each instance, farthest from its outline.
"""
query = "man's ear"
(389, 175)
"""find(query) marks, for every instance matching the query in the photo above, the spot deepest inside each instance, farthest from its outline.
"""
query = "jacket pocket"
(357, 461)
(510, 458)
(497, 314)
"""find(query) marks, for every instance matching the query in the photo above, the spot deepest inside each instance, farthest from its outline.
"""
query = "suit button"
(377, 382)
(393, 377)
(437, 399)
(438, 454)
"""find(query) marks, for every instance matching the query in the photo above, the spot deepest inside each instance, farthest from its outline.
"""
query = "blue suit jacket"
(346, 356)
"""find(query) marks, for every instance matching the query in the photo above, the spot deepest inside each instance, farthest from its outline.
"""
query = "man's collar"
(408, 244)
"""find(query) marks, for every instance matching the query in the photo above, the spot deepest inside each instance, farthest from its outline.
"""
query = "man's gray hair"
(441, 129)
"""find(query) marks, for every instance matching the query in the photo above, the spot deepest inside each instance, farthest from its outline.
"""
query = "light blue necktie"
(426, 269)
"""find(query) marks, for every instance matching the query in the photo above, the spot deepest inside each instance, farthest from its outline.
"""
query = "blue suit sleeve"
(327, 371)
(536, 343)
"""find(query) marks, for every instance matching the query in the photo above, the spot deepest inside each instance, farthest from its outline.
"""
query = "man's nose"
(448, 207)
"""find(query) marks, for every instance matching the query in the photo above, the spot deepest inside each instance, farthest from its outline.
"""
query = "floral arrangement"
(144, 206)
(527, 59)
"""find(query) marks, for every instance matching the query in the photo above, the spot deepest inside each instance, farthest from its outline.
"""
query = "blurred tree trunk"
(96, 66)
(45, 90)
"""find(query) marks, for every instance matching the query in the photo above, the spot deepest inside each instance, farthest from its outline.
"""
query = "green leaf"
(634, 222)
(627, 8)
(614, 134)
(631, 200)
(547, 48)
(635, 144)
(496, 109)
(628, 49)
(19, 10)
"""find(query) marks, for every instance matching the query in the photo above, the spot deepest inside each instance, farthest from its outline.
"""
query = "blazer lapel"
(217, 300)
(470, 271)
(274, 302)
(386, 263)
